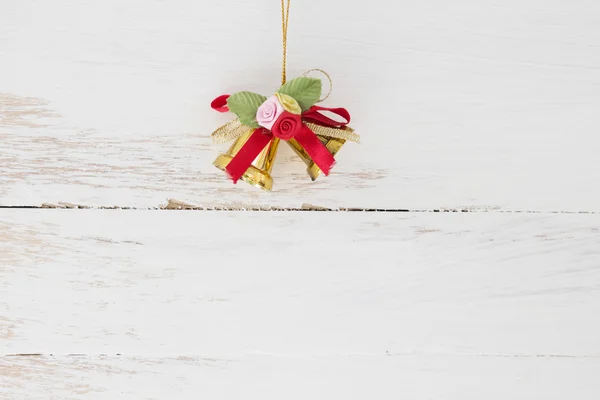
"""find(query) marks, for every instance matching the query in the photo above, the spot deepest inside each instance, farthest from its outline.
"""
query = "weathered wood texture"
(460, 104)
(357, 376)
(450, 305)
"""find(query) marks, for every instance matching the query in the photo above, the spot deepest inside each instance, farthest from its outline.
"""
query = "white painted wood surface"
(187, 304)
(273, 377)
(484, 106)
(478, 104)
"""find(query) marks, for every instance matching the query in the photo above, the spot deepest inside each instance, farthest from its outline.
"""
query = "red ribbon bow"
(261, 137)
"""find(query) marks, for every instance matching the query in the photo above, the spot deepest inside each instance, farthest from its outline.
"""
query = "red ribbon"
(313, 114)
(261, 138)
(220, 103)
(315, 149)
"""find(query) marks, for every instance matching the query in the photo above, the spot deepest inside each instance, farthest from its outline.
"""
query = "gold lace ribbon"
(234, 129)
(345, 133)
(229, 131)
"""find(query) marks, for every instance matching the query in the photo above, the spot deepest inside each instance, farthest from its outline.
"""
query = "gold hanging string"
(328, 78)
(235, 128)
(285, 14)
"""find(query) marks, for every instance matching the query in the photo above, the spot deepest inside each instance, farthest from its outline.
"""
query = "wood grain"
(483, 106)
(144, 302)
(273, 377)
(478, 105)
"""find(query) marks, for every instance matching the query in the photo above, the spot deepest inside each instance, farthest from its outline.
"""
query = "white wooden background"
(485, 106)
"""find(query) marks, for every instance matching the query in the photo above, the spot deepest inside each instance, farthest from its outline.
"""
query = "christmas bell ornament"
(333, 146)
(259, 172)
(315, 133)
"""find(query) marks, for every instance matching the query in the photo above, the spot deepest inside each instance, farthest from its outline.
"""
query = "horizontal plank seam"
(296, 209)
(386, 354)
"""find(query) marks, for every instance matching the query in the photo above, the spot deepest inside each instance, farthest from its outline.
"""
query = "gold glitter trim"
(345, 133)
(229, 131)
(234, 129)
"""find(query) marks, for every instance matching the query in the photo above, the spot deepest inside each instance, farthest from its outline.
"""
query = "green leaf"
(244, 105)
(306, 91)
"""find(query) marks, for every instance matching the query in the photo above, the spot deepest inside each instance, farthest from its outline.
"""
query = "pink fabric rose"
(268, 112)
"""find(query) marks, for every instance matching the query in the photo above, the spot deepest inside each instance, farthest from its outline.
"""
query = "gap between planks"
(387, 354)
(179, 205)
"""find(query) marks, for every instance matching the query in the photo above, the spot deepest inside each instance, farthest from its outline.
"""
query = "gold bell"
(259, 173)
(333, 145)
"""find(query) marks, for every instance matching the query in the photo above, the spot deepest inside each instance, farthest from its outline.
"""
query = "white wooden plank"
(298, 305)
(460, 104)
(412, 376)
(225, 284)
